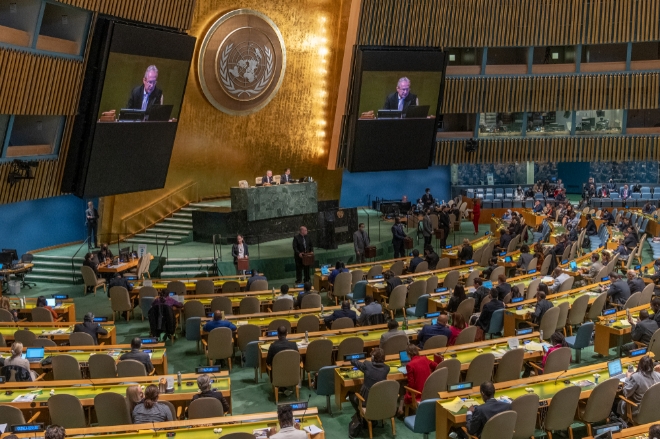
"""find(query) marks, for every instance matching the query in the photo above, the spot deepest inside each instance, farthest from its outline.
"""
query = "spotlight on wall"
(471, 145)
(21, 170)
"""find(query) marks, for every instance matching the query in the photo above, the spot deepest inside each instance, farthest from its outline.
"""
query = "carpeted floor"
(248, 396)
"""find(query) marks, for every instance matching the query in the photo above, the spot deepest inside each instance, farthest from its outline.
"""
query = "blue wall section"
(359, 188)
(31, 225)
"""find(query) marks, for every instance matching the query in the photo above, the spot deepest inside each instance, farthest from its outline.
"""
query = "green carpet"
(248, 396)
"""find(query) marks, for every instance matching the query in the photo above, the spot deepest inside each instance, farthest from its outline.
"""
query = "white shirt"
(289, 433)
(241, 252)
(560, 279)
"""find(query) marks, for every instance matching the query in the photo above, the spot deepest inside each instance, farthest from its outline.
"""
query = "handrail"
(73, 268)
(166, 204)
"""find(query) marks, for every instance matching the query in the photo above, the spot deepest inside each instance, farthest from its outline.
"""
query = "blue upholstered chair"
(253, 358)
(420, 308)
(581, 339)
(423, 421)
(325, 384)
(193, 330)
(359, 291)
(496, 323)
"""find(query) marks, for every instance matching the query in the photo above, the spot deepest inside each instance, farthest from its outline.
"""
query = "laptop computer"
(34, 355)
(131, 115)
(389, 114)
(405, 359)
(507, 259)
(573, 266)
(488, 284)
(615, 369)
(325, 271)
(51, 302)
(159, 113)
(417, 111)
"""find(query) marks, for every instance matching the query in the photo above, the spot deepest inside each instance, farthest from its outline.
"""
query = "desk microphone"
(559, 376)
(302, 418)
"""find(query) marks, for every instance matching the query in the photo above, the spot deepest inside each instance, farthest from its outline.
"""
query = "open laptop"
(417, 111)
(405, 359)
(34, 355)
(508, 259)
(573, 266)
(615, 369)
(488, 284)
(159, 113)
(325, 271)
(389, 114)
(131, 115)
(51, 302)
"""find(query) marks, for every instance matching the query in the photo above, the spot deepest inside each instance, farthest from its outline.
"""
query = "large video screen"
(393, 123)
(135, 83)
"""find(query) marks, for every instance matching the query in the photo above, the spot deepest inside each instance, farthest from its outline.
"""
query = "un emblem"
(241, 62)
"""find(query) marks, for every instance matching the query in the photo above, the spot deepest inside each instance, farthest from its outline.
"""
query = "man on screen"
(402, 98)
(146, 95)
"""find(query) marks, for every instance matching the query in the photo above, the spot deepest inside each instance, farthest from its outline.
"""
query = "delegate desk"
(7, 272)
(377, 288)
(56, 331)
(194, 429)
(265, 297)
(583, 262)
(452, 253)
(82, 354)
(515, 313)
(370, 335)
(65, 309)
(349, 380)
(262, 320)
(451, 410)
(109, 268)
(611, 329)
(531, 219)
(636, 432)
(191, 283)
(266, 202)
(27, 395)
(321, 280)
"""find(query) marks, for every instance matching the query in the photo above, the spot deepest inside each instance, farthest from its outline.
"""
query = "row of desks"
(56, 331)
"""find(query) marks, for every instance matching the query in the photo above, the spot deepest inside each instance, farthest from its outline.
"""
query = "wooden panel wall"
(176, 14)
(564, 149)
(552, 93)
(32, 84)
(480, 23)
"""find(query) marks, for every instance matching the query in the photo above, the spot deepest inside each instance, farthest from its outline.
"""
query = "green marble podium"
(275, 201)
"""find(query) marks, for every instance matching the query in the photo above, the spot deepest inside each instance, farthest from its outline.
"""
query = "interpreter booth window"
(18, 21)
(598, 122)
(548, 124)
(32, 136)
(506, 61)
(500, 125)
(603, 58)
(645, 56)
(63, 29)
(457, 126)
(464, 61)
(553, 59)
(643, 121)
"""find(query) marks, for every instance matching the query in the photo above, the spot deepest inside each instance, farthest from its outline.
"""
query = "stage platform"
(274, 258)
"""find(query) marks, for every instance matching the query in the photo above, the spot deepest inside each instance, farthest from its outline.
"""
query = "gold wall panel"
(562, 149)
(480, 23)
(552, 93)
(176, 14)
(216, 150)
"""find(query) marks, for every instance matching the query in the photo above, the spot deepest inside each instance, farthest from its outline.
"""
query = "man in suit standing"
(286, 177)
(398, 235)
(360, 242)
(427, 228)
(427, 198)
(443, 224)
(92, 222)
(477, 416)
(268, 178)
(402, 98)
(146, 95)
(301, 244)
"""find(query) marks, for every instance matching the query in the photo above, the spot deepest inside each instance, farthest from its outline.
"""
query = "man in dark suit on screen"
(402, 98)
(146, 95)
(302, 243)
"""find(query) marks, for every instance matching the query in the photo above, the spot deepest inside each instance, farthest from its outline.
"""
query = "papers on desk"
(261, 433)
(116, 266)
(403, 370)
(534, 347)
(584, 383)
(313, 429)
(241, 322)
(379, 285)
(265, 346)
(54, 332)
(28, 397)
(457, 404)
(410, 331)
(302, 344)
(499, 353)
(545, 279)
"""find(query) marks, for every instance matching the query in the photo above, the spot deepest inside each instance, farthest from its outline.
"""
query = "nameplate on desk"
(470, 261)
(531, 272)
(360, 356)
(299, 286)
(207, 369)
(271, 334)
(524, 331)
(638, 352)
(378, 276)
(149, 340)
(564, 262)
(440, 290)
(517, 299)
(430, 315)
(298, 405)
(60, 296)
(459, 386)
(27, 428)
(609, 311)
(503, 253)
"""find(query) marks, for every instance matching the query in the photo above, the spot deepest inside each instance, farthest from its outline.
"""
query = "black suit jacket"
(392, 101)
(338, 314)
(299, 247)
(286, 179)
(92, 329)
(135, 100)
(138, 355)
(483, 413)
(265, 180)
(234, 251)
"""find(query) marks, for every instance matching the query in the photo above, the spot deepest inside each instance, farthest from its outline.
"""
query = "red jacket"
(550, 349)
(454, 334)
(418, 370)
(476, 210)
